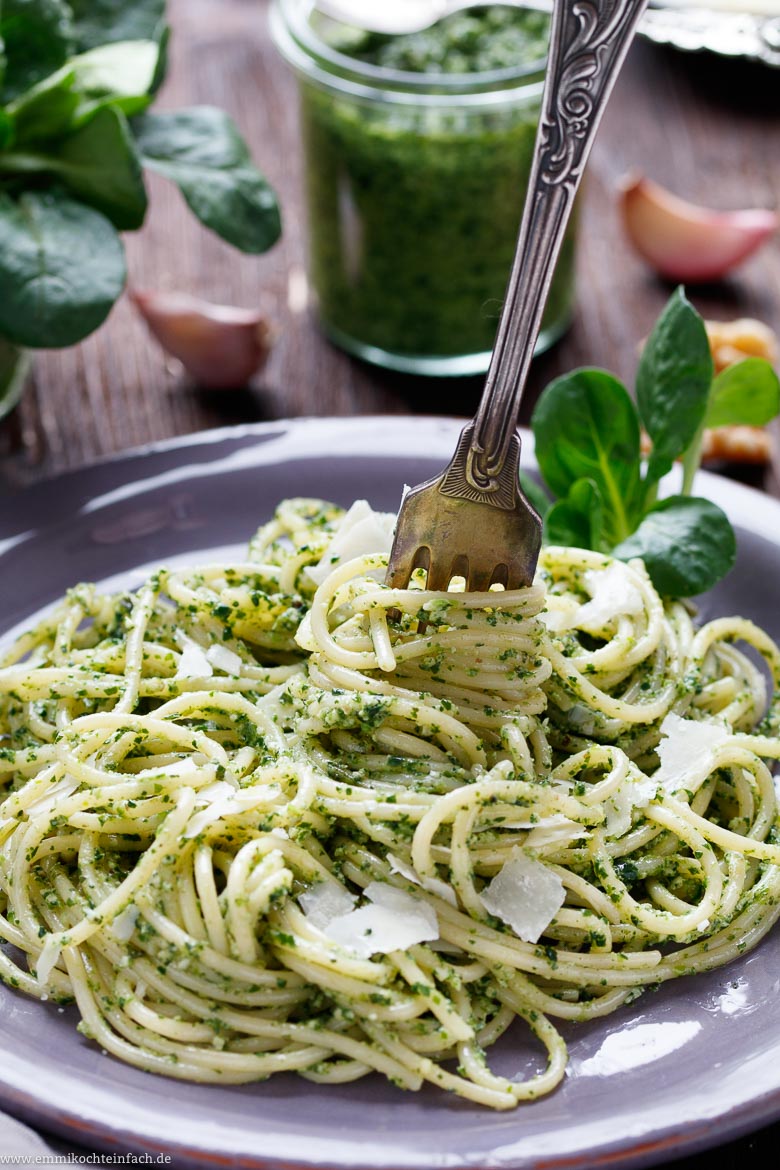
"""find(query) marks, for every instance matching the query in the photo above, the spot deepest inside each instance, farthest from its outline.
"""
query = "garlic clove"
(688, 243)
(220, 346)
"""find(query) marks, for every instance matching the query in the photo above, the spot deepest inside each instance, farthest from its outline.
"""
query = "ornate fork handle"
(588, 42)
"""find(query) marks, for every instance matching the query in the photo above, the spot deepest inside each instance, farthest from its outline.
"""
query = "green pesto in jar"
(414, 209)
(476, 41)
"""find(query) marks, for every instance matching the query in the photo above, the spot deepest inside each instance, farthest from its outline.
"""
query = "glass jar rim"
(300, 45)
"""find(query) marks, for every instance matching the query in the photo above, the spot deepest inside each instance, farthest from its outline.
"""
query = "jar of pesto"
(417, 157)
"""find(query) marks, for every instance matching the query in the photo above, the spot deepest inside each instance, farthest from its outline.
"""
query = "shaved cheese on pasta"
(362, 531)
(193, 662)
(687, 750)
(224, 658)
(633, 793)
(324, 902)
(613, 592)
(526, 895)
(431, 884)
(394, 922)
(239, 752)
(124, 924)
(47, 959)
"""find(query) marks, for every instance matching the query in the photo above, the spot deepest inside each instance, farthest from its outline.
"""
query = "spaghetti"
(251, 823)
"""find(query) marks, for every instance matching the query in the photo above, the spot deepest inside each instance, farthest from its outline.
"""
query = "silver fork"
(473, 520)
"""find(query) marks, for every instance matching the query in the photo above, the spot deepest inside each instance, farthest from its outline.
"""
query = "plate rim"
(757, 511)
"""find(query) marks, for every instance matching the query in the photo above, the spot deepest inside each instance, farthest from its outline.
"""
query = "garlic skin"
(684, 242)
(220, 347)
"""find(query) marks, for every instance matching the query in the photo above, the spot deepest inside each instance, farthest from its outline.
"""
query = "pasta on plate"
(273, 815)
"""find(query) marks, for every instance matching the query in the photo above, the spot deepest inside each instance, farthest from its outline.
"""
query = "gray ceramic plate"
(684, 1068)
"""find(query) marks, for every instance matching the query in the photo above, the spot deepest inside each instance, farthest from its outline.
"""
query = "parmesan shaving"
(557, 620)
(362, 531)
(47, 960)
(687, 751)
(222, 800)
(224, 659)
(613, 593)
(324, 902)
(395, 922)
(526, 895)
(433, 886)
(193, 662)
(123, 925)
(618, 809)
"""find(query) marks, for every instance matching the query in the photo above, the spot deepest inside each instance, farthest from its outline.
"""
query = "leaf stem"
(14, 368)
(26, 164)
(691, 461)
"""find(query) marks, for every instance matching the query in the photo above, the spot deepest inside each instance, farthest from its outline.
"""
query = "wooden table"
(707, 129)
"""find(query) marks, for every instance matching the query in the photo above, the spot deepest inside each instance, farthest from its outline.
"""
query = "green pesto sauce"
(414, 211)
(475, 41)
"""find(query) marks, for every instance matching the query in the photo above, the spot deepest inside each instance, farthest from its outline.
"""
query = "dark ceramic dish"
(684, 1068)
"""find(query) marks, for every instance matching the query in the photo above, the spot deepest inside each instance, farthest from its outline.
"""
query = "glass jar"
(415, 187)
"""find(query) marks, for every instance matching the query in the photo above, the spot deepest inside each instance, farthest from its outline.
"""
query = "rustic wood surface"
(709, 130)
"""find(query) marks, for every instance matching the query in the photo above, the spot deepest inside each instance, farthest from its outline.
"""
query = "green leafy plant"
(587, 430)
(77, 78)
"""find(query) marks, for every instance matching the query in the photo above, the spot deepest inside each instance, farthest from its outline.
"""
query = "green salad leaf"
(578, 519)
(6, 130)
(747, 393)
(37, 37)
(202, 152)
(62, 267)
(122, 74)
(43, 112)
(535, 493)
(587, 431)
(687, 545)
(100, 163)
(99, 22)
(586, 427)
(77, 78)
(673, 384)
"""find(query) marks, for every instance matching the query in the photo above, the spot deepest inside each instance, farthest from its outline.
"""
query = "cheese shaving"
(362, 531)
(124, 924)
(223, 800)
(193, 662)
(526, 895)
(224, 659)
(687, 751)
(433, 886)
(632, 793)
(324, 902)
(47, 960)
(394, 922)
(613, 592)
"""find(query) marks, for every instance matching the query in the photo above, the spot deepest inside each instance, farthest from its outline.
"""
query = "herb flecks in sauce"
(476, 41)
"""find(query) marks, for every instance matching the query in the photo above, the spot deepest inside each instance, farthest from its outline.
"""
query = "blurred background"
(704, 124)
